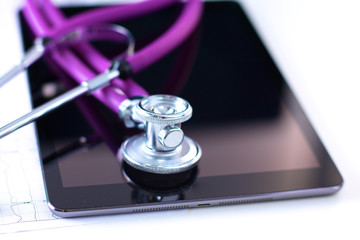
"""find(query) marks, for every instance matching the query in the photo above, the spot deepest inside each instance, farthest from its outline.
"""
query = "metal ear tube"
(163, 149)
(113, 33)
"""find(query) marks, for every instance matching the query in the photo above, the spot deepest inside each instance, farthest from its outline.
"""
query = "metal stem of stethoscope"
(31, 56)
(84, 88)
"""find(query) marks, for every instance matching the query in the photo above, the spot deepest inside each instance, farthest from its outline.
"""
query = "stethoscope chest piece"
(163, 149)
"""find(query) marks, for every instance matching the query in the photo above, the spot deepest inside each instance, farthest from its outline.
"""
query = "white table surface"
(316, 44)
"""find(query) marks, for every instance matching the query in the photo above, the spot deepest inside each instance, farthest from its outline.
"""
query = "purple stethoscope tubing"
(46, 20)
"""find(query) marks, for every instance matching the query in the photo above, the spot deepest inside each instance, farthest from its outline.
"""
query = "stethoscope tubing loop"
(159, 48)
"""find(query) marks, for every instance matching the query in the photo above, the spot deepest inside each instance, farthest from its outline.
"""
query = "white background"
(316, 44)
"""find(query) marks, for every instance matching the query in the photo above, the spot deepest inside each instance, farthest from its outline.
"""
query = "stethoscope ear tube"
(108, 32)
(31, 56)
(84, 88)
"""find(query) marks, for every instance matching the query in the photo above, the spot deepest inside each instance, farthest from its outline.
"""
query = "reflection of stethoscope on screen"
(163, 149)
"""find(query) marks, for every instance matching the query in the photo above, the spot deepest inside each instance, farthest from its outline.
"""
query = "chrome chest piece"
(163, 149)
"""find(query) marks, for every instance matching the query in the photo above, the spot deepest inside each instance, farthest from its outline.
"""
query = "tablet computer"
(257, 143)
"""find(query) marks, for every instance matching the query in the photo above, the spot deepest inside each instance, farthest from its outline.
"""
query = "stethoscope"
(163, 148)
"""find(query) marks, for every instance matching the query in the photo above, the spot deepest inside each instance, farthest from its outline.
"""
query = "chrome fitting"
(126, 112)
